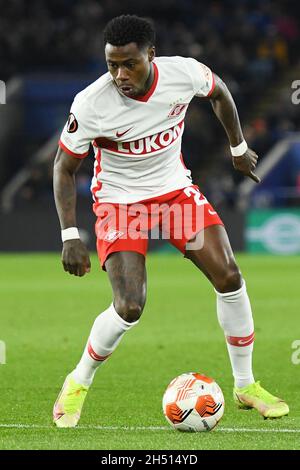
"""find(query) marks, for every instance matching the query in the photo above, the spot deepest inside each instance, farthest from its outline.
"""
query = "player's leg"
(211, 252)
(128, 278)
(127, 274)
(216, 260)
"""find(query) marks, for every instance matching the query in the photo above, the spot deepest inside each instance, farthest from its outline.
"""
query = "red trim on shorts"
(69, 152)
(241, 341)
(104, 249)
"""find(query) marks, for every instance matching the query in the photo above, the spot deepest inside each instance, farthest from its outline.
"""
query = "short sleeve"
(202, 78)
(80, 129)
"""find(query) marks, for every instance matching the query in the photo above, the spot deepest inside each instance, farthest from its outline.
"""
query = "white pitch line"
(256, 430)
(145, 428)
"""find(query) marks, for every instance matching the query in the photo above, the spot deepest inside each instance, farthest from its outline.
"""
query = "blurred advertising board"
(274, 231)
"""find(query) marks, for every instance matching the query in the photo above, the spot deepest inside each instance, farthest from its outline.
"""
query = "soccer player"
(134, 117)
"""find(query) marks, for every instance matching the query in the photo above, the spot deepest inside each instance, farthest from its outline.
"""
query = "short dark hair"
(129, 28)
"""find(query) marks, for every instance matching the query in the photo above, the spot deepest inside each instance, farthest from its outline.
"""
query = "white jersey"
(137, 141)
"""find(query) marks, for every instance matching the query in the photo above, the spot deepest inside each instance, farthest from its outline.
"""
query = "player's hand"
(75, 258)
(246, 164)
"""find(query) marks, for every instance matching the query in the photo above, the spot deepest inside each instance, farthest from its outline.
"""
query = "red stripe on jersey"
(240, 341)
(212, 85)
(95, 356)
(69, 152)
(97, 170)
(143, 146)
(104, 143)
(150, 92)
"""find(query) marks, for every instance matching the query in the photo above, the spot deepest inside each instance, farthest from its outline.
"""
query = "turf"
(46, 316)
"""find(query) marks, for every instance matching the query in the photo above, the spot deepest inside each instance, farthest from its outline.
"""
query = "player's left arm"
(226, 111)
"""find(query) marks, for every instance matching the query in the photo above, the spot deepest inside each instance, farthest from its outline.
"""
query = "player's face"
(130, 67)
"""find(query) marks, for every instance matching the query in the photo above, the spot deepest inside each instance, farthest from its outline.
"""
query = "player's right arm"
(208, 85)
(75, 257)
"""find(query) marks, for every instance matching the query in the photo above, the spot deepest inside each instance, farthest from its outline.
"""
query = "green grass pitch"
(46, 316)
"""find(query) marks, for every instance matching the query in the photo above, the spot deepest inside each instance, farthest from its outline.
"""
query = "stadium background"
(49, 50)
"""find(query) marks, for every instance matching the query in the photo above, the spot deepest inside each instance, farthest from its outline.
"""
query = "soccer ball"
(193, 402)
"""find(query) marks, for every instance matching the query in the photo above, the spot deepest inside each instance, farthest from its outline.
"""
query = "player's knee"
(130, 309)
(230, 281)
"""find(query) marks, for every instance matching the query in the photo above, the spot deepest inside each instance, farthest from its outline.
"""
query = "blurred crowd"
(246, 41)
(250, 44)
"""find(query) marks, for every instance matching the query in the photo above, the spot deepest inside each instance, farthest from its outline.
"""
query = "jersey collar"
(151, 90)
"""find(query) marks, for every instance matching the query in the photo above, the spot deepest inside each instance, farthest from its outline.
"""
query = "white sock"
(235, 317)
(106, 333)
